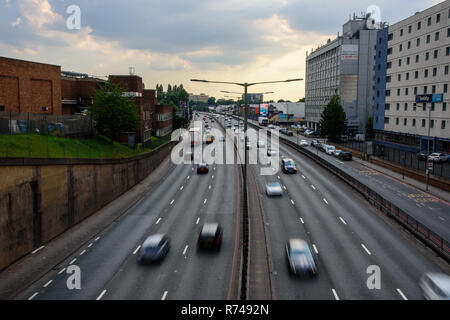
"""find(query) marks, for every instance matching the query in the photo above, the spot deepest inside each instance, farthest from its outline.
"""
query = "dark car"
(423, 155)
(314, 134)
(315, 143)
(210, 236)
(345, 155)
(289, 133)
(154, 248)
(202, 168)
(283, 130)
(288, 165)
(300, 259)
(322, 147)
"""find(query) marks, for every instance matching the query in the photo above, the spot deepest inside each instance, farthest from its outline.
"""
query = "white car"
(307, 132)
(437, 157)
(330, 150)
(336, 153)
(303, 143)
(274, 189)
(435, 286)
(271, 126)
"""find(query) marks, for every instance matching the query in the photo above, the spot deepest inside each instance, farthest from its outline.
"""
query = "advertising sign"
(349, 52)
(437, 97)
(263, 109)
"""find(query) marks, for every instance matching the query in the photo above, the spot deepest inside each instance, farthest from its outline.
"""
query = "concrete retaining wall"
(42, 198)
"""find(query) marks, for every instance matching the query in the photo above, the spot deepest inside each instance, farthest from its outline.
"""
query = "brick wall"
(29, 86)
(128, 82)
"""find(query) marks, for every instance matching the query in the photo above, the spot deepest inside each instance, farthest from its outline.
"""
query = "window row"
(409, 43)
(415, 107)
(418, 25)
(434, 89)
(414, 122)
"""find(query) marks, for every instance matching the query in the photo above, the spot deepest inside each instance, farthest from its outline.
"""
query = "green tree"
(211, 101)
(333, 122)
(369, 128)
(113, 112)
(301, 100)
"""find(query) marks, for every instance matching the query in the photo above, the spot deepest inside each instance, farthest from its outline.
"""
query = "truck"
(263, 121)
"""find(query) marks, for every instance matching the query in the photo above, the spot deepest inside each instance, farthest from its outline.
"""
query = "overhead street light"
(245, 85)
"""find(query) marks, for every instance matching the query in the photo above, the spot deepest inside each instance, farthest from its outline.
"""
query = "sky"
(173, 41)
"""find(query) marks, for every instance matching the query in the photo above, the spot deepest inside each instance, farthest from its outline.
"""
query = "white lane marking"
(303, 222)
(71, 262)
(173, 200)
(441, 218)
(279, 177)
(137, 249)
(212, 177)
(209, 187)
(343, 221)
(181, 188)
(62, 270)
(340, 162)
(185, 249)
(284, 187)
(214, 168)
(188, 177)
(335, 294)
(90, 245)
(367, 250)
(48, 283)
(192, 168)
(303, 177)
(315, 249)
(96, 239)
(401, 293)
(325, 200)
(313, 187)
(159, 219)
(164, 295)
(205, 201)
(41, 247)
(292, 201)
(82, 252)
(101, 295)
(34, 295)
(198, 220)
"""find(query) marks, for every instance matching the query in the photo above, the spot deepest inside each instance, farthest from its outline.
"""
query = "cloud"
(16, 23)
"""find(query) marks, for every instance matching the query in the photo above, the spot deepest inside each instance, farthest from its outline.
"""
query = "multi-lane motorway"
(348, 238)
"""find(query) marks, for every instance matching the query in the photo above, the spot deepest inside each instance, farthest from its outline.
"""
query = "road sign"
(430, 165)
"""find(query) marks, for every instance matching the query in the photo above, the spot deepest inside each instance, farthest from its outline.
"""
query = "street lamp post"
(428, 141)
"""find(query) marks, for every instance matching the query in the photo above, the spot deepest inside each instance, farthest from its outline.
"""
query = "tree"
(211, 101)
(333, 122)
(114, 112)
(369, 128)
(301, 100)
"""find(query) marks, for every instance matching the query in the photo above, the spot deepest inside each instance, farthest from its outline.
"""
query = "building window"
(425, 73)
(396, 121)
(423, 123)
(445, 87)
(435, 54)
(436, 36)
(434, 72)
(405, 121)
(438, 18)
(407, 76)
(388, 78)
(428, 38)
(409, 44)
(407, 60)
(386, 120)
(415, 90)
(448, 32)
(433, 89)
(398, 92)
(414, 122)
(398, 106)
(390, 36)
(446, 70)
(447, 51)
(425, 89)
(389, 51)
(409, 29)
(419, 25)
(418, 42)
(417, 58)
(399, 62)
(432, 106)
(400, 48)
(387, 106)
(388, 93)
(427, 56)
(389, 65)
(431, 123)
(442, 124)
(424, 107)
(416, 74)
(2, 108)
(399, 77)
(429, 21)
(444, 106)
(406, 107)
(401, 32)
(406, 91)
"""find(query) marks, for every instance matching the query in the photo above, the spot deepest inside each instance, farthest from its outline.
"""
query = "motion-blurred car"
(303, 143)
(435, 286)
(300, 259)
(271, 152)
(288, 165)
(322, 147)
(330, 150)
(222, 138)
(289, 133)
(274, 189)
(210, 236)
(154, 248)
(346, 156)
(315, 143)
(337, 152)
(202, 168)
(189, 155)
(248, 145)
(437, 157)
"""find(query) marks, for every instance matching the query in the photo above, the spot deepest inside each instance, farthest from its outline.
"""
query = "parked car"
(346, 156)
(154, 248)
(210, 236)
(274, 189)
(435, 286)
(299, 257)
(202, 168)
(303, 143)
(288, 165)
(437, 157)
(423, 155)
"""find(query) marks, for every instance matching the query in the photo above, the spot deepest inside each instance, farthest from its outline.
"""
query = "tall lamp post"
(428, 141)
(245, 85)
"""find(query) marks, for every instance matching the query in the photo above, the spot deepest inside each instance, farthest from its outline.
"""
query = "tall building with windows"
(417, 98)
(345, 65)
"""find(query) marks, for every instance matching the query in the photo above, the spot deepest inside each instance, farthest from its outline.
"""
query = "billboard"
(349, 52)
(263, 109)
(429, 97)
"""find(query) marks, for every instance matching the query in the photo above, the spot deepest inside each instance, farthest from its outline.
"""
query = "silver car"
(435, 286)
(274, 189)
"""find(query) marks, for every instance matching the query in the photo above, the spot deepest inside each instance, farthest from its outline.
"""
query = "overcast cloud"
(172, 41)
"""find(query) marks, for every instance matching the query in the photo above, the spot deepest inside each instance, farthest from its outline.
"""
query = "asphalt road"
(179, 206)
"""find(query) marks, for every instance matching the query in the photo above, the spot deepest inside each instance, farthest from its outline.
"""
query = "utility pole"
(427, 170)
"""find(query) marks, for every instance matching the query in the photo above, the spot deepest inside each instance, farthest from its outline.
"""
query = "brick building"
(163, 120)
(29, 87)
(77, 91)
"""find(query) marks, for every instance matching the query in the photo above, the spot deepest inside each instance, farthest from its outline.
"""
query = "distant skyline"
(173, 41)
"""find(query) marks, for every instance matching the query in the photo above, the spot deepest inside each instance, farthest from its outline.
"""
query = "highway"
(179, 206)
(345, 233)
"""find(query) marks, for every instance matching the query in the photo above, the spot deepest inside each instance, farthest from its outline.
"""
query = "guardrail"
(432, 239)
